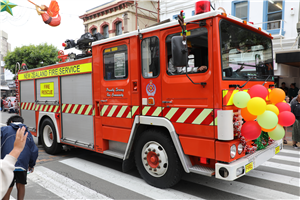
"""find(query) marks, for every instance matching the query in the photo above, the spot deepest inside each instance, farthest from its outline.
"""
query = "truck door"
(115, 97)
(151, 79)
(189, 105)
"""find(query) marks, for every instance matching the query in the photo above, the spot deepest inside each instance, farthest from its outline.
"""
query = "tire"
(157, 160)
(49, 137)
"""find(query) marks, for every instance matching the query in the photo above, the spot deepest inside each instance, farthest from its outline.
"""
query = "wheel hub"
(155, 159)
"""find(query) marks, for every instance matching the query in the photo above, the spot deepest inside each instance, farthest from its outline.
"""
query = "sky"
(26, 27)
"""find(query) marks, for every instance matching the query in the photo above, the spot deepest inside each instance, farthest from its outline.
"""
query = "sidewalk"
(288, 136)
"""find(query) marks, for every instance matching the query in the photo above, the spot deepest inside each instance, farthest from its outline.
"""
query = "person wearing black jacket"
(295, 108)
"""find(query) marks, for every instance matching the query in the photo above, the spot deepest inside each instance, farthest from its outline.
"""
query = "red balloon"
(258, 91)
(286, 118)
(251, 130)
(283, 107)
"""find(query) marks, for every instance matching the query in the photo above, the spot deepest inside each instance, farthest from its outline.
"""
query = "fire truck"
(128, 97)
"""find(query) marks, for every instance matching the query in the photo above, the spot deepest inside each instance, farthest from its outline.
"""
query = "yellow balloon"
(256, 106)
(272, 108)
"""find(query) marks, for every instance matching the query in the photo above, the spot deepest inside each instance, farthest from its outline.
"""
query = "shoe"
(295, 146)
(284, 142)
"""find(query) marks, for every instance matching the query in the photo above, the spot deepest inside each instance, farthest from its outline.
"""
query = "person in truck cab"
(180, 70)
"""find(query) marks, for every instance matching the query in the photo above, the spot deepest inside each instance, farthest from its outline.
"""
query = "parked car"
(13, 103)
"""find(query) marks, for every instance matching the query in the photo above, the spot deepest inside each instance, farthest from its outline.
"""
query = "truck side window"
(197, 42)
(150, 57)
(115, 63)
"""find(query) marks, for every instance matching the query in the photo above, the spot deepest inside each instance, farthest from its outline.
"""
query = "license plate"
(249, 167)
(277, 149)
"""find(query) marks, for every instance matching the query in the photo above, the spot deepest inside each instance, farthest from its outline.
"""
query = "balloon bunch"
(260, 116)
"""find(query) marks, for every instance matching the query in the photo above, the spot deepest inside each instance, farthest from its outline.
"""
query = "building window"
(150, 57)
(273, 16)
(119, 28)
(105, 32)
(94, 31)
(240, 9)
(115, 63)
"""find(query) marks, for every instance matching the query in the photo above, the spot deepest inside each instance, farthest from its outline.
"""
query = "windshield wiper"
(249, 78)
(266, 80)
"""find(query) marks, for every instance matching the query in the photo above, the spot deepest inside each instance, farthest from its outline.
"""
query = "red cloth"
(51, 20)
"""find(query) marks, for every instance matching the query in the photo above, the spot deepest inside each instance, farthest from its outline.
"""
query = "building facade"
(278, 17)
(5, 47)
(117, 17)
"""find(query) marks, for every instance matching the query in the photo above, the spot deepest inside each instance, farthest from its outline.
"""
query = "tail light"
(202, 7)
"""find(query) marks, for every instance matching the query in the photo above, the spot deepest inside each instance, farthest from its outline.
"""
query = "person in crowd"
(284, 88)
(11, 107)
(7, 165)
(287, 100)
(1, 104)
(27, 158)
(293, 91)
(295, 108)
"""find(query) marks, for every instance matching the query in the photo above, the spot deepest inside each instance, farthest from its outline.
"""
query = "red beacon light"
(64, 44)
(202, 7)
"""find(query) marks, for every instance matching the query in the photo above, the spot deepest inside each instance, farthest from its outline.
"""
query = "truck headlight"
(240, 148)
(232, 151)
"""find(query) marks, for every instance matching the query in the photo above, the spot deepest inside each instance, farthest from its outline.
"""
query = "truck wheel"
(49, 137)
(157, 160)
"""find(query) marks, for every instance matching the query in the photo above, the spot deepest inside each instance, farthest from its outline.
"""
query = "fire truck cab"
(129, 101)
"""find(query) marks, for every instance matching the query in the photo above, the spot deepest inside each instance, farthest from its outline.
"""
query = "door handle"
(103, 101)
(167, 101)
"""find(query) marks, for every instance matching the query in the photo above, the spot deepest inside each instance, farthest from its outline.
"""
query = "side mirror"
(179, 52)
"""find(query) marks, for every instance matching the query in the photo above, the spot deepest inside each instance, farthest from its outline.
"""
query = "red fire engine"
(129, 98)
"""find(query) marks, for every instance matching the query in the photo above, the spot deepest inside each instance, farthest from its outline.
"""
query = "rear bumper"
(229, 171)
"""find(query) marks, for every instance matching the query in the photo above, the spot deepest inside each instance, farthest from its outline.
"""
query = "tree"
(33, 56)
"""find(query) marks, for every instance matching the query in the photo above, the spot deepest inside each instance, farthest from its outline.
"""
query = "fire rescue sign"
(74, 69)
(47, 89)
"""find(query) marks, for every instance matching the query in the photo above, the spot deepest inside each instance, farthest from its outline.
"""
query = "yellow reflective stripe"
(103, 109)
(133, 110)
(63, 107)
(157, 111)
(224, 93)
(50, 109)
(267, 98)
(230, 102)
(214, 122)
(111, 112)
(145, 110)
(41, 107)
(88, 110)
(46, 107)
(121, 112)
(81, 109)
(74, 109)
(68, 108)
(56, 108)
(171, 113)
(201, 117)
(93, 112)
(185, 115)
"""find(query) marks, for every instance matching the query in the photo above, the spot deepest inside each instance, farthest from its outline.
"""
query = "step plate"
(202, 170)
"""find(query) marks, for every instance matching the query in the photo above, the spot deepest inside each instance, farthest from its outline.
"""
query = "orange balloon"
(268, 130)
(276, 95)
(246, 115)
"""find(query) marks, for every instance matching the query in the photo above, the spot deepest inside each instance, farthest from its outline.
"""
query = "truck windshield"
(245, 54)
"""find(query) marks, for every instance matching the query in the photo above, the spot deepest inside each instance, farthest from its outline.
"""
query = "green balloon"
(267, 120)
(277, 133)
(240, 99)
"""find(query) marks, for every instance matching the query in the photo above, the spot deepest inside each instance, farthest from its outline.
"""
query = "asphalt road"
(82, 174)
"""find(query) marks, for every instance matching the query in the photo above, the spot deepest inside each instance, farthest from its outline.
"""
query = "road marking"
(129, 182)
(290, 151)
(287, 158)
(288, 180)
(11, 198)
(61, 185)
(238, 188)
(281, 166)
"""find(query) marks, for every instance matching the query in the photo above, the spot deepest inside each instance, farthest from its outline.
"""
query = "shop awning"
(4, 87)
(291, 57)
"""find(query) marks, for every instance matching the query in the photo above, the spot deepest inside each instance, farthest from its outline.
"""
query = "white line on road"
(297, 152)
(281, 166)
(129, 182)
(61, 185)
(11, 198)
(239, 188)
(288, 180)
(287, 158)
